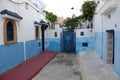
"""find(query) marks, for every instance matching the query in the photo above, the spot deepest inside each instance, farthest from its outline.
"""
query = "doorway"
(110, 46)
(68, 41)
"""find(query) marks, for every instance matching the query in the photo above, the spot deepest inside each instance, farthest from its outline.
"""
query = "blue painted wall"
(101, 44)
(13, 54)
(10, 56)
(52, 44)
(117, 53)
(81, 40)
(33, 48)
(101, 48)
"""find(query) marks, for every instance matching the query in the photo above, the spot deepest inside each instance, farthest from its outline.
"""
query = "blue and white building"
(20, 32)
(107, 32)
(84, 37)
(52, 38)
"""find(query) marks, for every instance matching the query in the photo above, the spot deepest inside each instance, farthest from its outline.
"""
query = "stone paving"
(62, 67)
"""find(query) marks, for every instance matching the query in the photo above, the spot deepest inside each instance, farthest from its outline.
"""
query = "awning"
(109, 8)
(9, 14)
(37, 23)
(44, 24)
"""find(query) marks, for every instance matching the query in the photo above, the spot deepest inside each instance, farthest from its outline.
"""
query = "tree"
(71, 23)
(88, 9)
(51, 17)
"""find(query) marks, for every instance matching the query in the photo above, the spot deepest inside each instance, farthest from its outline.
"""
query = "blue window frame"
(37, 32)
(10, 31)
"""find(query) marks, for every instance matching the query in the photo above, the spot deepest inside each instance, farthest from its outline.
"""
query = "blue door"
(68, 41)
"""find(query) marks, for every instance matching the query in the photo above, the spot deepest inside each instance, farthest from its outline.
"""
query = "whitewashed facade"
(26, 44)
(107, 30)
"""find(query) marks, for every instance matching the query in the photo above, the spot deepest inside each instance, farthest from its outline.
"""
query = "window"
(37, 33)
(85, 44)
(55, 34)
(10, 31)
(109, 16)
(82, 33)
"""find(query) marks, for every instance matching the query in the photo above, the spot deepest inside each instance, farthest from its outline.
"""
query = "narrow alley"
(59, 40)
(62, 67)
(85, 66)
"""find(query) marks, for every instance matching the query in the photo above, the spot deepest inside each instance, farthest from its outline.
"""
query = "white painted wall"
(1, 31)
(25, 27)
(101, 22)
(27, 24)
(87, 32)
(50, 33)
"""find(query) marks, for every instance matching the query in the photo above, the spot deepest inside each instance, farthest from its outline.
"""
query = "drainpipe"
(43, 38)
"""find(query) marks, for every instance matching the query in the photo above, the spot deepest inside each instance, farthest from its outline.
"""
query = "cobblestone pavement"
(62, 67)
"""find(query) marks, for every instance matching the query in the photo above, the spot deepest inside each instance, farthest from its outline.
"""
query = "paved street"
(62, 67)
(85, 66)
(94, 68)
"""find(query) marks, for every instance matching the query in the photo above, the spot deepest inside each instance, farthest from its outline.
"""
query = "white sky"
(62, 8)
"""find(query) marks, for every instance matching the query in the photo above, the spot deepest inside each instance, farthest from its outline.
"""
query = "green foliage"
(71, 23)
(51, 17)
(88, 9)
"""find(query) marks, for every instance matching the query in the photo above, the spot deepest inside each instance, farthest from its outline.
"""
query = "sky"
(62, 8)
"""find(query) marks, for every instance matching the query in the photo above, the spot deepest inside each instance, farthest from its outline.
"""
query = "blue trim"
(43, 22)
(35, 22)
(10, 31)
(110, 30)
(13, 14)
